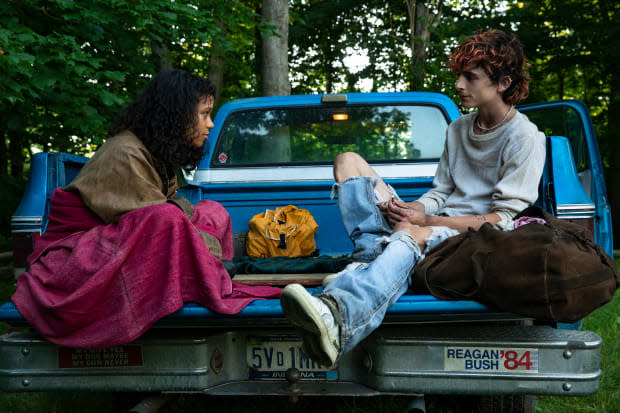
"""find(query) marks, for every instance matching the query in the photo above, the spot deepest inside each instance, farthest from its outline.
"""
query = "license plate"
(491, 359)
(270, 357)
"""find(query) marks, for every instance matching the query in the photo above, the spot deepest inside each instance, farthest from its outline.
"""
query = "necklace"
(498, 124)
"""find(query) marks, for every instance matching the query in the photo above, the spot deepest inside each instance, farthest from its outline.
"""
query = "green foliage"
(324, 34)
(574, 50)
(606, 323)
(240, 27)
(320, 34)
(70, 66)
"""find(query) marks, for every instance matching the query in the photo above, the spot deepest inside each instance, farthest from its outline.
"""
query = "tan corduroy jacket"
(121, 177)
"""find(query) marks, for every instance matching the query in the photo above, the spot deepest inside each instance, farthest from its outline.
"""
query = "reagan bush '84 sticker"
(489, 359)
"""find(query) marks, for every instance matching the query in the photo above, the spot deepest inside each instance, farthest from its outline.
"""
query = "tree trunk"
(328, 67)
(258, 53)
(216, 64)
(274, 67)
(164, 56)
(420, 21)
(411, 11)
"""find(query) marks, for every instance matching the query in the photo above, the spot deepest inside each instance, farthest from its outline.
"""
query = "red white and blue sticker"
(491, 359)
(222, 157)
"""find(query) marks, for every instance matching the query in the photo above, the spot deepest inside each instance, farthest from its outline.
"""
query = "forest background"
(68, 67)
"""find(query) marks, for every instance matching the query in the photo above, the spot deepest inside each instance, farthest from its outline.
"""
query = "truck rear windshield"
(315, 135)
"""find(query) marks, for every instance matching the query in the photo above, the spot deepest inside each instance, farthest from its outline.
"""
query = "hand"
(397, 211)
(383, 207)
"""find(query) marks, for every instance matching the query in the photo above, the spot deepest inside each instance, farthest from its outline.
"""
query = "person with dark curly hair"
(174, 106)
(489, 171)
(122, 249)
(159, 134)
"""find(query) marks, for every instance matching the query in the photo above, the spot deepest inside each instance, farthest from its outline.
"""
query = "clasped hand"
(397, 211)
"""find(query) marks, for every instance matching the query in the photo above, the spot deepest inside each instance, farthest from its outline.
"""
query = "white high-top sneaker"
(315, 322)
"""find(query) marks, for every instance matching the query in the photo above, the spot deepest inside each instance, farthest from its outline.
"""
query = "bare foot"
(419, 234)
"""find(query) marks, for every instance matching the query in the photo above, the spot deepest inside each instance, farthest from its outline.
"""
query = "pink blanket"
(93, 285)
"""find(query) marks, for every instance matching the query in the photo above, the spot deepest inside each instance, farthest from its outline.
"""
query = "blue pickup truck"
(273, 151)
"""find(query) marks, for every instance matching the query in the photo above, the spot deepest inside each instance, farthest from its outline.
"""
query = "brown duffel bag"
(551, 272)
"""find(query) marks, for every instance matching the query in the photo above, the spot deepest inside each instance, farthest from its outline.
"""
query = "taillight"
(23, 245)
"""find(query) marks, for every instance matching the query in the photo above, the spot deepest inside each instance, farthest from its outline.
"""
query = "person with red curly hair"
(489, 171)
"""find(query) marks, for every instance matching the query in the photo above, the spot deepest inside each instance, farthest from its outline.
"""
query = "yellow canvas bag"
(284, 232)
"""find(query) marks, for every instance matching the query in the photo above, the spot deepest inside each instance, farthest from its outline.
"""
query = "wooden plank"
(280, 280)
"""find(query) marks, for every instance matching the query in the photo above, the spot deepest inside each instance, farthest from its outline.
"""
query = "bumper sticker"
(491, 359)
(119, 356)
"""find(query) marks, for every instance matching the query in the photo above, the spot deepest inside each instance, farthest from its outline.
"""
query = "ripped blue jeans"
(366, 226)
(362, 297)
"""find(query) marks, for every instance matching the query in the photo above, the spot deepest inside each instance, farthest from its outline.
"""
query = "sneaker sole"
(300, 311)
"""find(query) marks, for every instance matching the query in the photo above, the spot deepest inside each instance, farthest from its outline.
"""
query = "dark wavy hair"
(163, 117)
(498, 54)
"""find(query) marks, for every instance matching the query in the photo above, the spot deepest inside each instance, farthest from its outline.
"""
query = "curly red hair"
(499, 54)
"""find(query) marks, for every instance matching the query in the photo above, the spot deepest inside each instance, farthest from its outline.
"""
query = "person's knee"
(348, 157)
(349, 164)
(211, 207)
(210, 213)
(165, 212)
(156, 216)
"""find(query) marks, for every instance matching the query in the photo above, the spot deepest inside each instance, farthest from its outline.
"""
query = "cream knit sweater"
(495, 172)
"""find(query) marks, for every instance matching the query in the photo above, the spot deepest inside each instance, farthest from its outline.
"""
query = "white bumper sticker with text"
(488, 359)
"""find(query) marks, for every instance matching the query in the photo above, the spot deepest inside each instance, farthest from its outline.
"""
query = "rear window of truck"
(315, 135)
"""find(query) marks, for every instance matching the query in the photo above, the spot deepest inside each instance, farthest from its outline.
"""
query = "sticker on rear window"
(489, 359)
(222, 157)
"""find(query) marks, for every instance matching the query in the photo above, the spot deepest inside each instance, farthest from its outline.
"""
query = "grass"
(605, 322)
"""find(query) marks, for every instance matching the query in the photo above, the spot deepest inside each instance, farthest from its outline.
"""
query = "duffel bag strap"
(283, 237)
